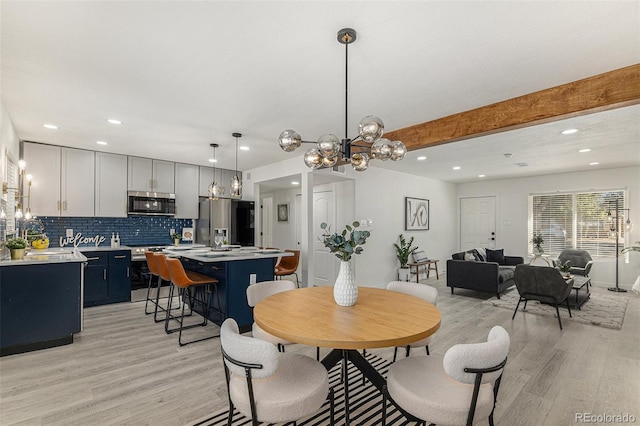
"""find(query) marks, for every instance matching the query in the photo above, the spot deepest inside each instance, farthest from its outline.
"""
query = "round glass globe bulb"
(289, 140)
(329, 145)
(399, 151)
(329, 161)
(313, 158)
(371, 128)
(382, 149)
(360, 162)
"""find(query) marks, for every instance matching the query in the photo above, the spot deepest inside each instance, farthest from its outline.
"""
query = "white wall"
(380, 196)
(512, 210)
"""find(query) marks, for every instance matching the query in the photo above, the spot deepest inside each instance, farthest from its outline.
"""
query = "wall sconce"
(24, 179)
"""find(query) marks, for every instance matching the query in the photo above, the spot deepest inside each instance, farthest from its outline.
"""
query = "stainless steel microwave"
(151, 203)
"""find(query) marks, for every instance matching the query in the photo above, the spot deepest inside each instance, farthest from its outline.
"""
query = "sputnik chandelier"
(369, 143)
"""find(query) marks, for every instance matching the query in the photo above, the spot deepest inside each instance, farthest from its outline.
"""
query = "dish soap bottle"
(113, 240)
(118, 239)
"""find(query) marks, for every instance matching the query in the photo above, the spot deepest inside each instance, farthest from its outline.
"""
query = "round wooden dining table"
(380, 318)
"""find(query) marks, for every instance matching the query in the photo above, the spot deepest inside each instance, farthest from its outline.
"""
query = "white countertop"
(207, 255)
(49, 255)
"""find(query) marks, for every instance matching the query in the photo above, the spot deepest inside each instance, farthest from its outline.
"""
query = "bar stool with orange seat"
(153, 273)
(187, 282)
(289, 266)
(157, 259)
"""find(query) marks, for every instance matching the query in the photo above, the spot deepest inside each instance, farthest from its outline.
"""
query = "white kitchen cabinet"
(63, 180)
(186, 186)
(145, 174)
(111, 185)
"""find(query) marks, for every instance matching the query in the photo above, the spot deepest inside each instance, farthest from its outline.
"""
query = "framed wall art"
(416, 214)
(283, 212)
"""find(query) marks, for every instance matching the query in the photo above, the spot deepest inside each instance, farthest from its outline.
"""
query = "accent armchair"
(542, 283)
(579, 260)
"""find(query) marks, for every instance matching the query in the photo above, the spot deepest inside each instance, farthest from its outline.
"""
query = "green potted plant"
(16, 246)
(176, 236)
(403, 250)
(344, 245)
(537, 242)
(565, 268)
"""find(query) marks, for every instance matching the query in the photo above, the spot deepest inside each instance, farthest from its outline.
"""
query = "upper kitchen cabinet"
(63, 180)
(186, 191)
(151, 175)
(111, 185)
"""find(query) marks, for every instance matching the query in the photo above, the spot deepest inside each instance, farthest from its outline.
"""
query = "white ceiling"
(184, 74)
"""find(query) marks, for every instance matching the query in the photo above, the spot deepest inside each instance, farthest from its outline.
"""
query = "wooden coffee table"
(380, 318)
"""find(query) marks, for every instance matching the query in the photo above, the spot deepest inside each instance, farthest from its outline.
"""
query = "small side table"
(432, 265)
(536, 256)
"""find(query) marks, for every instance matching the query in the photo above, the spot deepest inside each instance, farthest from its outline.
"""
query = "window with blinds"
(577, 220)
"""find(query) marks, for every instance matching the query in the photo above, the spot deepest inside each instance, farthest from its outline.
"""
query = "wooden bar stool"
(188, 283)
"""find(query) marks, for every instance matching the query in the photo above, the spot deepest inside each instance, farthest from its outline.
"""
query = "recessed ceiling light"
(457, 168)
(114, 121)
(244, 148)
(213, 160)
(508, 155)
(585, 150)
(569, 131)
(481, 175)
(295, 182)
(50, 126)
(595, 163)
(421, 158)
(102, 143)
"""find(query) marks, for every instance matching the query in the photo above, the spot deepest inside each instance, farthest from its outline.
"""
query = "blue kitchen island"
(235, 270)
(40, 300)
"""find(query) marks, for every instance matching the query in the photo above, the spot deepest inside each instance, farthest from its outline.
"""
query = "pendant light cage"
(215, 190)
(235, 186)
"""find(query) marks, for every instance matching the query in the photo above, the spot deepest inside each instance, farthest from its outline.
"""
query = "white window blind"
(577, 220)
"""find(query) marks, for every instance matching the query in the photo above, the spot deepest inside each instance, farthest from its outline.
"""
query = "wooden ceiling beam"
(614, 89)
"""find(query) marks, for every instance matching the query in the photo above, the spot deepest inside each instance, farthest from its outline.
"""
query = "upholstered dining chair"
(461, 387)
(288, 265)
(544, 284)
(268, 386)
(422, 291)
(258, 291)
(579, 260)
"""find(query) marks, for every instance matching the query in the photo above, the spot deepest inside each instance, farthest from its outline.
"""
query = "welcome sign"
(79, 239)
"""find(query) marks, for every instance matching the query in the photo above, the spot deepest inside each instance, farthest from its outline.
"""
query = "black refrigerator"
(232, 221)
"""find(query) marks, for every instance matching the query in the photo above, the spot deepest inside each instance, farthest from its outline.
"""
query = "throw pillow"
(419, 256)
(495, 256)
(469, 256)
(482, 252)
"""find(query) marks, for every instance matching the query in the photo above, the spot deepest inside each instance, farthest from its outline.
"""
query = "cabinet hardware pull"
(104, 274)
(215, 268)
(127, 272)
(93, 258)
(64, 205)
(120, 257)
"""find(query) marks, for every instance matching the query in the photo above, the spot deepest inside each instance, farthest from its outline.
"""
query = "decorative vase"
(345, 290)
(404, 274)
(17, 254)
(176, 242)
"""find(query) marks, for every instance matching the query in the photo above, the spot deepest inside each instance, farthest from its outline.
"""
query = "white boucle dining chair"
(268, 386)
(258, 291)
(422, 291)
(459, 388)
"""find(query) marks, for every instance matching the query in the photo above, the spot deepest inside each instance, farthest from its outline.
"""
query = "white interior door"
(267, 222)
(324, 261)
(477, 222)
(298, 222)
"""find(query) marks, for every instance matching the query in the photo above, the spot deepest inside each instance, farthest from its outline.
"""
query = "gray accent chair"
(459, 388)
(544, 284)
(580, 261)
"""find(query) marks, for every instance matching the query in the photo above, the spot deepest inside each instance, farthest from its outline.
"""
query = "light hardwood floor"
(124, 370)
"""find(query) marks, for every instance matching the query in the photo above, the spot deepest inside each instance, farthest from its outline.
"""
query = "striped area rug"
(365, 402)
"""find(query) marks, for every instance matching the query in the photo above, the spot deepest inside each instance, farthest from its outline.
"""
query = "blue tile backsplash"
(135, 230)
